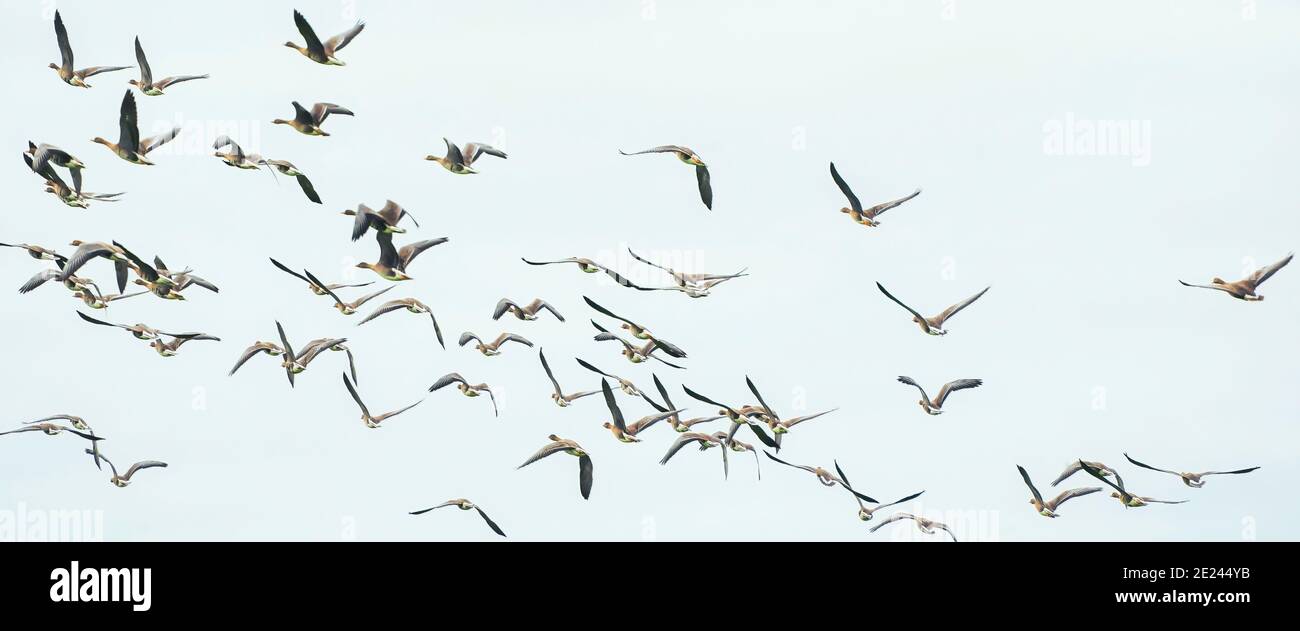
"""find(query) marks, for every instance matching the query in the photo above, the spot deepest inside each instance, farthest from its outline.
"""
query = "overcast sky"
(1079, 159)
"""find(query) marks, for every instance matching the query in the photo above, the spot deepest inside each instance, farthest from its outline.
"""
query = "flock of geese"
(393, 264)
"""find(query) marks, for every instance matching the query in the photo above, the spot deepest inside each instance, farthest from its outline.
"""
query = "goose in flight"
(75, 284)
(560, 445)
(319, 290)
(183, 278)
(44, 155)
(86, 251)
(626, 386)
(269, 348)
(413, 306)
(464, 504)
(129, 146)
(1127, 499)
(169, 349)
(866, 217)
(146, 84)
(638, 331)
(736, 417)
(295, 363)
(392, 261)
(309, 122)
(235, 156)
(561, 399)
(736, 445)
(1048, 508)
(1190, 479)
(334, 345)
(674, 420)
(633, 353)
(779, 427)
(686, 155)
(933, 406)
(52, 429)
(465, 388)
(322, 52)
(693, 285)
(1076, 466)
(67, 73)
(492, 348)
(345, 308)
(926, 526)
(459, 161)
(287, 168)
(96, 300)
(75, 421)
(138, 331)
(865, 513)
(624, 432)
(933, 326)
(157, 284)
(1244, 289)
(825, 477)
(120, 481)
(366, 418)
(527, 312)
(383, 220)
(37, 252)
(705, 442)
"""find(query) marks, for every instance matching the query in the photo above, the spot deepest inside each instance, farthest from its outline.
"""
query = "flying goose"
(65, 69)
(465, 504)
(1127, 499)
(624, 432)
(37, 252)
(1244, 289)
(927, 526)
(74, 284)
(932, 406)
(736, 445)
(319, 290)
(560, 445)
(494, 347)
(693, 285)
(393, 262)
(638, 331)
(737, 418)
(865, 513)
(561, 399)
(120, 481)
(51, 429)
(825, 477)
(385, 219)
(366, 418)
(633, 353)
(626, 386)
(933, 326)
(236, 157)
(526, 312)
(162, 286)
(97, 249)
(1190, 479)
(72, 196)
(459, 161)
(705, 441)
(138, 331)
(584, 264)
(309, 122)
(675, 421)
(75, 421)
(687, 156)
(129, 146)
(169, 349)
(258, 347)
(296, 363)
(414, 306)
(315, 50)
(146, 84)
(183, 278)
(1048, 508)
(1075, 467)
(44, 155)
(312, 349)
(779, 427)
(465, 388)
(101, 301)
(865, 217)
(345, 308)
(287, 168)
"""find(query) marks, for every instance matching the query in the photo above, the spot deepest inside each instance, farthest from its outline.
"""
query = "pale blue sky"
(1087, 344)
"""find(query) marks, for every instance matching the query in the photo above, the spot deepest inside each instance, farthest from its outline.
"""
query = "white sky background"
(1083, 253)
